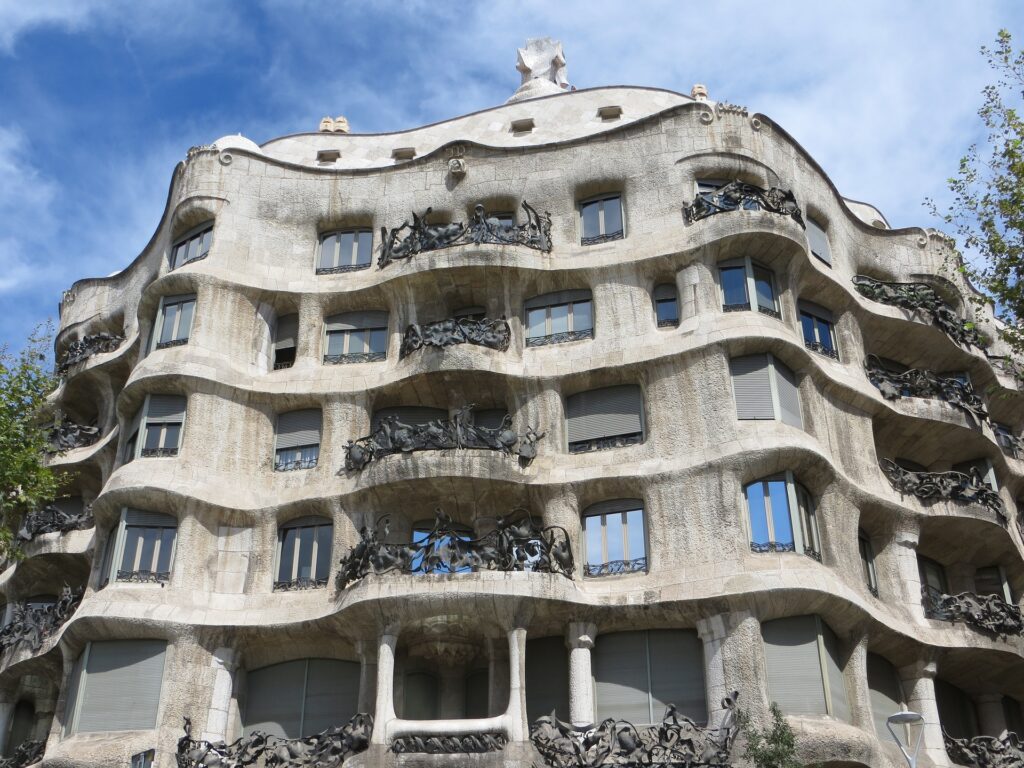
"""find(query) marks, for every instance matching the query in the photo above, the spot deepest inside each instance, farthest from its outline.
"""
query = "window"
(604, 418)
(193, 246)
(819, 329)
(304, 553)
(979, 470)
(145, 759)
(356, 337)
(748, 285)
(614, 535)
(1007, 441)
(140, 548)
(115, 686)
(432, 560)
(422, 700)
(174, 321)
(782, 517)
(666, 305)
(817, 240)
(956, 711)
(991, 580)
(286, 334)
(547, 677)
(1013, 712)
(804, 676)
(933, 583)
(470, 313)
(410, 415)
(557, 317)
(300, 698)
(867, 561)
(765, 389)
(160, 422)
(601, 220)
(884, 691)
(297, 445)
(23, 723)
(638, 674)
(345, 251)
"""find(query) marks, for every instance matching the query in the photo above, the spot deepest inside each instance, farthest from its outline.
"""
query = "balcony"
(31, 625)
(922, 383)
(300, 584)
(144, 577)
(482, 332)
(987, 613)
(740, 196)
(954, 486)
(69, 435)
(1006, 751)
(51, 519)
(560, 338)
(81, 350)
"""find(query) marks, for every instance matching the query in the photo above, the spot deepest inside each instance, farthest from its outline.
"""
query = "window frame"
(316, 522)
(750, 286)
(137, 435)
(602, 511)
(559, 299)
(602, 235)
(817, 315)
(801, 511)
(114, 556)
(867, 559)
(276, 344)
(302, 462)
(674, 299)
(158, 324)
(347, 356)
(196, 232)
(336, 267)
(773, 389)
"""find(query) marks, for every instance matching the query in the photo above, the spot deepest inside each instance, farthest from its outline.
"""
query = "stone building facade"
(590, 403)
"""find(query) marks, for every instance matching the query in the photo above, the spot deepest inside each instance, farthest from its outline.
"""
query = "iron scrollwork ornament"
(68, 435)
(1006, 751)
(394, 436)
(32, 625)
(921, 383)
(409, 239)
(27, 753)
(513, 545)
(483, 332)
(327, 749)
(955, 486)
(51, 519)
(988, 613)
(740, 196)
(921, 296)
(85, 348)
(470, 743)
(676, 742)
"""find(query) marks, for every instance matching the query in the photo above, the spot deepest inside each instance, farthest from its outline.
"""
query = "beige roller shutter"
(607, 412)
(752, 387)
(884, 691)
(298, 428)
(794, 667)
(121, 687)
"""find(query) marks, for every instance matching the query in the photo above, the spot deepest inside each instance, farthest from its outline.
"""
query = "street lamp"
(907, 719)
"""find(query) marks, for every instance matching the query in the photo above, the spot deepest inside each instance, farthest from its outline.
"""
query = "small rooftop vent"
(327, 155)
(523, 125)
(403, 153)
(609, 113)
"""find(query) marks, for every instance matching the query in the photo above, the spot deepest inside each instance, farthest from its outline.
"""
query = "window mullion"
(302, 710)
(119, 541)
(795, 516)
(768, 516)
(295, 549)
(748, 274)
(625, 538)
(312, 560)
(604, 538)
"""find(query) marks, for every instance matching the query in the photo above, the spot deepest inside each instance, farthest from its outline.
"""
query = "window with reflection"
(140, 548)
(297, 442)
(439, 553)
(304, 553)
(666, 305)
(614, 536)
(558, 317)
(356, 337)
(782, 516)
(159, 422)
(601, 219)
(193, 246)
(174, 321)
(345, 251)
(818, 329)
(747, 285)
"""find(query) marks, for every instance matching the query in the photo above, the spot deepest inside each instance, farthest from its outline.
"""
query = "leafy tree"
(987, 212)
(774, 745)
(26, 483)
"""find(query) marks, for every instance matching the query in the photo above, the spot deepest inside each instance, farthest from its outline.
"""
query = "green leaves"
(773, 746)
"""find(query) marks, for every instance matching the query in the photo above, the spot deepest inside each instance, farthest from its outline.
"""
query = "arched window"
(141, 547)
(300, 698)
(867, 561)
(804, 673)
(782, 516)
(666, 305)
(304, 553)
(747, 285)
(356, 337)
(615, 538)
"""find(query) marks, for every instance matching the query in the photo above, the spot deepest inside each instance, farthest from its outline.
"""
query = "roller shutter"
(818, 241)
(166, 407)
(355, 321)
(121, 686)
(836, 679)
(298, 428)
(752, 387)
(287, 332)
(794, 667)
(274, 699)
(547, 678)
(607, 412)
(789, 395)
(884, 691)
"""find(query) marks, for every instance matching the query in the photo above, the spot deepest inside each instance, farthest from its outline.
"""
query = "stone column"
(518, 728)
(905, 543)
(224, 662)
(991, 715)
(857, 686)
(384, 709)
(712, 631)
(919, 687)
(579, 637)
(367, 652)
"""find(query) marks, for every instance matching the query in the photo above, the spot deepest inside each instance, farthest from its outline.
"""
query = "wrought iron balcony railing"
(145, 577)
(606, 237)
(159, 453)
(32, 625)
(342, 269)
(83, 349)
(69, 435)
(762, 547)
(296, 585)
(482, 332)
(171, 343)
(27, 753)
(821, 349)
(922, 383)
(954, 486)
(355, 357)
(740, 196)
(51, 519)
(1005, 751)
(603, 443)
(988, 613)
(615, 567)
(559, 338)
(294, 464)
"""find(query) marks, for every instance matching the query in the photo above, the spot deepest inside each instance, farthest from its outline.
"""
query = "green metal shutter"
(794, 667)
(122, 685)
(607, 412)
(751, 387)
(547, 677)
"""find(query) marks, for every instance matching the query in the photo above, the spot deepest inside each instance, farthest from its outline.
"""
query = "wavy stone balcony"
(927, 384)
(30, 626)
(740, 196)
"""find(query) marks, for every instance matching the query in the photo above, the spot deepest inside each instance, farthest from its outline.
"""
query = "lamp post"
(907, 719)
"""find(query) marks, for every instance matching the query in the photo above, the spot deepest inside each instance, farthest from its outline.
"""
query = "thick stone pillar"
(367, 652)
(904, 548)
(712, 631)
(991, 715)
(384, 709)
(224, 662)
(919, 687)
(518, 728)
(579, 637)
(857, 686)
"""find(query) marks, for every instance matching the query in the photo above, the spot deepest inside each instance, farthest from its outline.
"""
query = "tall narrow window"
(304, 553)
(991, 580)
(615, 538)
(160, 422)
(885, 692)
(765, 389)
(297, 445)
(604, 418)
(345, 251)
(666, 305)
(867, 561)
(557, 317)
(1011, 445)
(356, 337)
(782, 517)
(141, 547)
(748, 285)
(115, 686)
(174, 321)
(957, 715)
(300, 698)
(818, 329)
(817, 240)
(286, 334)
(193, 246)
(638, 674)
(547, 677)
(601, 219)
(933, 584)
(804, 675)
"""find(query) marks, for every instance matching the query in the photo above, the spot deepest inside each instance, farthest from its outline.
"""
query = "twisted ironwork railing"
(988, 613)
(955, 486)
(740, 196)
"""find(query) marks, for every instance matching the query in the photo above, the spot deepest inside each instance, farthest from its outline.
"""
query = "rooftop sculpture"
(542, 67)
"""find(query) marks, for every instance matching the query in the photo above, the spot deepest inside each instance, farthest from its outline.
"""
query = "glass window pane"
(356, 342)
(734, 285)
(758, 516)
(365, 249)
(207, 238)
(172, 432)
(592, 533)
(612, 215)
(310, 455)
(335, 342)
(149, 538)
(284, 569)
(560, 318)
(763, 286)
(582, 316)
(824, 331)
(306, 552)
(635, 531)
(667, 311)
(535, 322)
(193, 249)
(615, 536)
(178, 255)
(807, 324)
(347, 240)
(323, 551)
(152, 436)
(185, 320)
(167, 327)
(591, 224)
(163, 564)
(132, 540)
(780, 511)
(328, 251)
(379, 340)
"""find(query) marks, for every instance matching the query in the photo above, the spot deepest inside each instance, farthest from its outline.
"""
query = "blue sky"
(100, 99)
